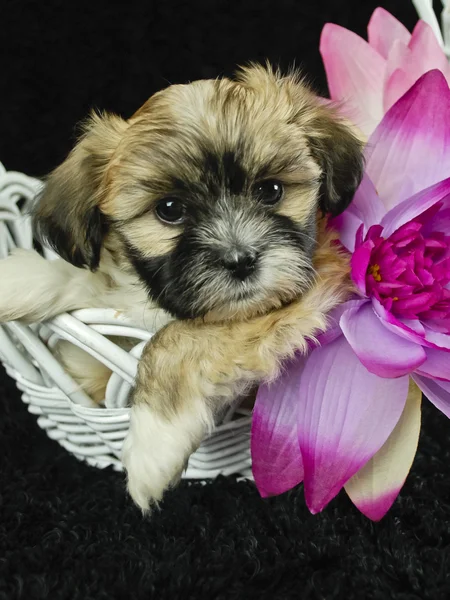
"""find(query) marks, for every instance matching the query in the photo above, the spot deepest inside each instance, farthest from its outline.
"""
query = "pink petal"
(408, 61)
(376, 486)
(399, 79)
(380, 350)
(384, 29)
(437, 365)
(355, 74)
(397, 59)
(346, 414)
(438, 392)
(276, 459)
(410, 149)
(413, 207)
(426, 51)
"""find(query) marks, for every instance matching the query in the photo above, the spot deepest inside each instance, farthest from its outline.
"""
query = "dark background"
(69, 531)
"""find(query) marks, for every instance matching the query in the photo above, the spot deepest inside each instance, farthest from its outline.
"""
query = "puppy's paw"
(155, 452)
(31, 287)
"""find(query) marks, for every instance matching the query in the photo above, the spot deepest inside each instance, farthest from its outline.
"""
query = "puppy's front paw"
(155, 453)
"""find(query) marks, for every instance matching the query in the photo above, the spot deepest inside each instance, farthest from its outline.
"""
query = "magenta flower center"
(409, 272)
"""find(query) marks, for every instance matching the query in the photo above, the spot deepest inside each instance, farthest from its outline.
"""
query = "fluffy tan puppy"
(205, 204)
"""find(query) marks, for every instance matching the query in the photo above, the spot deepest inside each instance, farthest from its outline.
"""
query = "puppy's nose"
(240, 263)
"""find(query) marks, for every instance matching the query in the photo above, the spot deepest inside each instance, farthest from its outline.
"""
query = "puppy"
(205, 206)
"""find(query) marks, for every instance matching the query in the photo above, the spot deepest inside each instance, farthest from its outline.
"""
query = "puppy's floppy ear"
(67, 215)
(339, 153)
(333, 145)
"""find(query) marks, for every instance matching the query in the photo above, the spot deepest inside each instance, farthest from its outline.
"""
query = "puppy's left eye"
(171, 210)
(268, 192)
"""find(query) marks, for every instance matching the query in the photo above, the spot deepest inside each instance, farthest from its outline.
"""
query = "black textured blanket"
(68, 531)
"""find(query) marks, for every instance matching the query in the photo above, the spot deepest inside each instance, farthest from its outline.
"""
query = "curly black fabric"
(68, 531)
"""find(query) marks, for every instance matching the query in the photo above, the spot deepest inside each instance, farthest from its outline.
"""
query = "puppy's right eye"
(171, 210)
(268, 192)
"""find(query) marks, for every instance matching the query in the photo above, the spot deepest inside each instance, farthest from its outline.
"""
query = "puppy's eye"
(171, 210)
(268, 192)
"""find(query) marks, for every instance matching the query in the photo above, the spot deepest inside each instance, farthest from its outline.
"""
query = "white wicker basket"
(90, 432)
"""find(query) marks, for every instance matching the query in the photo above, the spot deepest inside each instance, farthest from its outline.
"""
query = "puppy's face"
(212, 190)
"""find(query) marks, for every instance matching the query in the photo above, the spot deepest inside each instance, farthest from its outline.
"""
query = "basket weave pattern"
(90, 432)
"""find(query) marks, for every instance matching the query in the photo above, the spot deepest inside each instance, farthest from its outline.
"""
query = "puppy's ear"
(339, 153)
(67, 215)
(333, 145)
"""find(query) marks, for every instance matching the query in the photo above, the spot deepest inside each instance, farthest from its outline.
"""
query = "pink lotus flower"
(348, 414)
(369, 77)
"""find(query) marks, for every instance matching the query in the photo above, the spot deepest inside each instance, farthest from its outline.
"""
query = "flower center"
(409, 272)
(374, 270)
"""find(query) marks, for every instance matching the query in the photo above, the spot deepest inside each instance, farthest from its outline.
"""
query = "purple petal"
(439, 222)
(380, 350)
(347, 224)
(376, 486)
(367, 204)
(410, 149)
(415, 206)
(276, 459)
(437, 392)
(345, 416)
(333, 331)
(413, 330)
(415, 303)
(441, 325)
(366, 208)
(437, 339)
(437, 365)
(410, 330)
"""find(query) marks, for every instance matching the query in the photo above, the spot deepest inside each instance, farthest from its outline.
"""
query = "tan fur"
(177, 394)
(91, 374)
(102, 199)
(248, 350)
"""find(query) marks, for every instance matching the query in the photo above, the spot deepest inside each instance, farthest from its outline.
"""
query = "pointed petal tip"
(375, 487)
(381, 13)
(414, 127)
(376, 509)
(355, 74)
(314, 511)
(384, 29)
(317, 502)
(435, 76)
(276, 458)
(431, 84)
(329, 31)
(345, 417)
